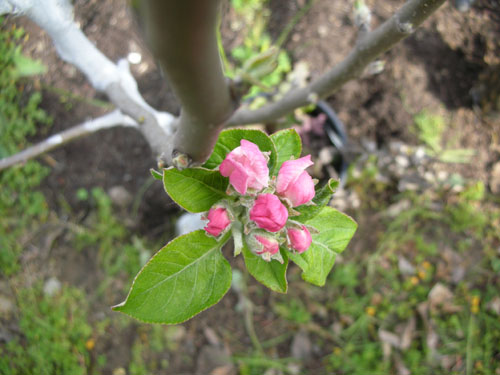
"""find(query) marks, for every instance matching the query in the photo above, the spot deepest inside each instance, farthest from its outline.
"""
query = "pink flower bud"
(300, 239)
(269, 213)
(218, 220)
(269, 245)
(294, 182)
(246, 167)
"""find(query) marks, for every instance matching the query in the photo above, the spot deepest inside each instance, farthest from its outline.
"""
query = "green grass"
(54, 331)
(118, 252)
(256, 41)
(21, 205)
(369, 293)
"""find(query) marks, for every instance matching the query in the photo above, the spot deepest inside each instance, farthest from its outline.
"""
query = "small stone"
(369, 146)
(6, 306)
(418, 156)
(389, 338)
(442, 175)
(212, 360)
(301, 346)
(120, 196)
(52, 286)
(494, 305)
(322, 30)
(119, 371)
(440, 295)
(405, 267)
(402, 161)
(395, 209)
(326, 155)
(495, 178)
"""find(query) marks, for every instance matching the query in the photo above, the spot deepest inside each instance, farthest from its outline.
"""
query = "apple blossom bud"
(299, 238)
(268, 245)
(294, 183)
(246, 167)
(218, 220)
(269, 213)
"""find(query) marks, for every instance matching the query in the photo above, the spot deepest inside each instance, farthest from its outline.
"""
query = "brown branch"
(182, 35)
(112, 119)
(368, 48)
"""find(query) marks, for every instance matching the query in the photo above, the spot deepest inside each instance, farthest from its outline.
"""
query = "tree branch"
(368, 48)
(56, 18)
(112, 119)
(182, 35)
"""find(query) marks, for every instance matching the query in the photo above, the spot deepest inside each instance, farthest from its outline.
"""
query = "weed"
(20, 204)
(256, 40)
(54, 331)
(115, 252)
(430, 129)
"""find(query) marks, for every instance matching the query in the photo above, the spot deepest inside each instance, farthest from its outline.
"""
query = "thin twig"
(112, 119)
(72, 45)
(368, 48)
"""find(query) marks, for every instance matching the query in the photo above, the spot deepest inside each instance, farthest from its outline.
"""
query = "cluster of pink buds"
(263, 205)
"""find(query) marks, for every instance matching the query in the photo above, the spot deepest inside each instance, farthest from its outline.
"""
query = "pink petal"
(269, 245)
(290, 170)
(300, 239)
(218, 220)
(269, 213)
(239, 179)
(301, 191)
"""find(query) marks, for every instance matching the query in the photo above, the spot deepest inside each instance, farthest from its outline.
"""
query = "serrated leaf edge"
(116, 307)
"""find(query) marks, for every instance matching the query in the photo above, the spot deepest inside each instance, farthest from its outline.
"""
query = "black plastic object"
(335, 130)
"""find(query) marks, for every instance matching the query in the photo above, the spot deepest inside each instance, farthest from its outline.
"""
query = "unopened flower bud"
(264, 244)
(269, 245)
(218, 221)
(299, 238)
(246, 167)
(269, 213)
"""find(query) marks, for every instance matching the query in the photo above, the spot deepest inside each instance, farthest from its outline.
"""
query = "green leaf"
(335, 232)
(230, 139)
(320, 200)
(195, 189)
(25, 66)
(157, 175)
(272, 274)
(184, 278)
(288, 145)
(459, 155)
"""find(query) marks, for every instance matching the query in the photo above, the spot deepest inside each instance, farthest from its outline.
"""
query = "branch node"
(180, 160)
(238, 88)
(313, 98)
(404, 27)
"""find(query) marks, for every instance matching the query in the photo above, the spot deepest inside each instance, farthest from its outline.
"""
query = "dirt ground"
(435, 69)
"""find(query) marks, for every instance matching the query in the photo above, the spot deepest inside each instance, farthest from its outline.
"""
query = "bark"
(112, 119)
(182, 35)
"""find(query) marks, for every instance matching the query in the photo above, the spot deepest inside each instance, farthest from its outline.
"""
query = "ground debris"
(301, 345)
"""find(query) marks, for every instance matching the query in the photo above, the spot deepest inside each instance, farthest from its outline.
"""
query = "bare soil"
(434, 69)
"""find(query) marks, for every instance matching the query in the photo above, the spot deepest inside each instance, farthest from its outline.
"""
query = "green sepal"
(195, 189)
(321, 199)
(335, 231)
(156, 175)
(187, 276)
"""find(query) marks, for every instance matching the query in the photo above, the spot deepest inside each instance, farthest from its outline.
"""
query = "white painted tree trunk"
(56, 18)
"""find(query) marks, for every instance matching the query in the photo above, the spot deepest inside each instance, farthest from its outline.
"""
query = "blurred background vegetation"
(417, 292)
